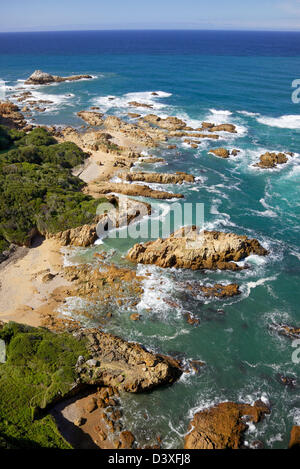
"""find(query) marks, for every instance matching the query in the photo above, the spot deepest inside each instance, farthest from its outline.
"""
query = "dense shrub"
(37, 188)
(40, 367)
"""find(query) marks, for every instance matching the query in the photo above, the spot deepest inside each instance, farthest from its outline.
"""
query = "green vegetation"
(37, 188)
(40, 368)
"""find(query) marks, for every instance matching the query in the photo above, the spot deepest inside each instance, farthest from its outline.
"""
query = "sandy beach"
(27, 290)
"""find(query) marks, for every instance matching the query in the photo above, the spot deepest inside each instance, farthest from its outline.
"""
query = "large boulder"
(223, 426)
(125, 365)
(160, 178)
(91, 117)
(221, 152)
(190, 248)
(270, 160)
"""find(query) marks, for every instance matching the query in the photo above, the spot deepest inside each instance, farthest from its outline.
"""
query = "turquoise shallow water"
(242, 79)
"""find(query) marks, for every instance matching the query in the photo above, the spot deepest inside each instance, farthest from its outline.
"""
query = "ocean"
(244, 78)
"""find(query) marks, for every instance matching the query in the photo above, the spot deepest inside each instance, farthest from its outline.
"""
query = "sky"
(41, 15)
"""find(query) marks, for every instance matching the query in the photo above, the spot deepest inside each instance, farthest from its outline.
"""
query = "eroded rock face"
(11, 116)
(169, 123)
(221, 152)
(217, 291)
(124, 365)
(42, 78)
(191, 249)
(160, 178)
(270, 160)
(99, 188)
(223, 426)
(91, 117)
(295, 438)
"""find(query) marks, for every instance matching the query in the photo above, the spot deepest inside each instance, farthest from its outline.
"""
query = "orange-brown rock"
(293, 332)
(270, 160)
(136, 104)
(160, 178)
(99, 188)
(91, 117)
(295, 438)
(223, 128)
(191, 248)
(125, 365)
(169, 123)
(127, 439)
(223, 426)
(11, 116)
(221, 152)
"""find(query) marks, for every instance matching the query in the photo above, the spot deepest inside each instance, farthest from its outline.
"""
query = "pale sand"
(22, 291)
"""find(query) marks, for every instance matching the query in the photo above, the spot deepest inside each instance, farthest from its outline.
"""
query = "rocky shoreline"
(113, 365)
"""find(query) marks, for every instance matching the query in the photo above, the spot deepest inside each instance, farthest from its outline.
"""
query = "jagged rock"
(136, 104)
(169, 123)
(295, 438)
(91, 117)
(42, 78)
(125, 365)
(270, 160)
(289, 331)
(99, 188)
(160, 178)
(221, 152)
(190, 248)
(223, 128)
(11, 116)
(223, 426)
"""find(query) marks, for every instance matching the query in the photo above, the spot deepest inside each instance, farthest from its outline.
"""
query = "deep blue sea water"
(244, 78)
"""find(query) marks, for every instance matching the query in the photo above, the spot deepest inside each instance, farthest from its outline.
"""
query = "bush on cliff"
(40, 368)
(37, 188)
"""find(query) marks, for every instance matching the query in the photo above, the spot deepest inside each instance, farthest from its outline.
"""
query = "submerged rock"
(289, 331)
(223, 426)
(190, 248)
(42, 78)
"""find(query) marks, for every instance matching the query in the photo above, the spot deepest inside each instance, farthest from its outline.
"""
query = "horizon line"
(151, 29)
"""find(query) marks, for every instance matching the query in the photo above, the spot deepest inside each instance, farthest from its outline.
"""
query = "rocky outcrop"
(91, 117)
(221, 152)
(160, 178)
(121, 214)
(289, 331)
(136, 104)
(270, 160)
(146, 136)
(295, 438)
(217, 291)
(42, 78)
(124, 365)
(190, 248)
(223, 426)
(11, 116)
(169, 123)
(99, 188)
(223, 128)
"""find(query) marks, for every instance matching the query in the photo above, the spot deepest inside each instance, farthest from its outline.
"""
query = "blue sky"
(40, 15)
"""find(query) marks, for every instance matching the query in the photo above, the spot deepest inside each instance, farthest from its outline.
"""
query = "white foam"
(283, 122)
(122, 102)
(248, 114)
